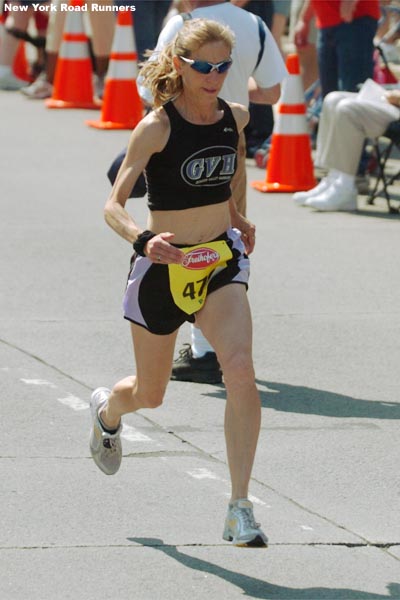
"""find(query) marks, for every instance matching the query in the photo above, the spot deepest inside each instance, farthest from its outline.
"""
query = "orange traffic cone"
(73, 86)
(122, 107)
(21, 67)
(290, 167)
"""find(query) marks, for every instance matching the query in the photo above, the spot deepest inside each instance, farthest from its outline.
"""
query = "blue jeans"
(345, 55)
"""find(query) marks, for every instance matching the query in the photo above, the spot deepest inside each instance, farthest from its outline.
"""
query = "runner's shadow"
(305, 400)
(259, 588)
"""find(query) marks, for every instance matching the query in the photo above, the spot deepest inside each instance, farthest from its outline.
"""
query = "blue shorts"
(148, 299)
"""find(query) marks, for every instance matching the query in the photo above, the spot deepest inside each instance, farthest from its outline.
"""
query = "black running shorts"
(148, 299)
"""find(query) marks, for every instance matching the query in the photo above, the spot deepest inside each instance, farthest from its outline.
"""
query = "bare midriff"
(192, 226)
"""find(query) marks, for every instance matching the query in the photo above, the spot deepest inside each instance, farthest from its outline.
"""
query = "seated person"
(346, 120)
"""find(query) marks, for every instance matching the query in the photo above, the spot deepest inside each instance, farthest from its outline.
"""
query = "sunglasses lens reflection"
(205, 67)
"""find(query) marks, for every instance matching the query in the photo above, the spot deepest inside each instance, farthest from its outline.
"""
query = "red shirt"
(327, 12)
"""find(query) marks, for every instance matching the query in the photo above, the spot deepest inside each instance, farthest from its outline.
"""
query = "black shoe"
(199, 370)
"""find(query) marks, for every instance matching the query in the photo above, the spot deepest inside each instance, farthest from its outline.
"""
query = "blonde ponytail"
(159, 74)
(160, 77)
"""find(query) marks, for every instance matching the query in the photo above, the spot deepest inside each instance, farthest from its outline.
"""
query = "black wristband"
(141, 241)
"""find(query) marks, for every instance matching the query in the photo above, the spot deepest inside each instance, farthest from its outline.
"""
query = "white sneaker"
(11, 83)
(335, 198)
(300, 198)
(240, 526)
(39, 89)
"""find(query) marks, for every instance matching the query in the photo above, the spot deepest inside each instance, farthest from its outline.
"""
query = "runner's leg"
(226, 322)
(154, 355)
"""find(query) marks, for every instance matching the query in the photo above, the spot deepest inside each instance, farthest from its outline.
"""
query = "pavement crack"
(169, 453)
(44, 362)
(133, 543)
(380, 545)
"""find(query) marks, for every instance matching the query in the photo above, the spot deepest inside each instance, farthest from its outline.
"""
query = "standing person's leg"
(103, 28)
(327, 60)
(42, 87)
(148, 18)
(226, 322)
(161, 10)
(308, 53)
(41, 20)
(355, 58)
(259, 128)
(355, 47)
(280, 20)
(153, 357)
(17, 19)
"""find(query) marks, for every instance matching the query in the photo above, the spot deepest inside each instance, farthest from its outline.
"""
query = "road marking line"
(74, 403)
(38, 382)
(129, 433)
(203, 473)
(133, 435)
(256, 500)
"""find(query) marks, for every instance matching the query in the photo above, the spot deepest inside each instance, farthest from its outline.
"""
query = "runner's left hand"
(249, 237)
(247, 229)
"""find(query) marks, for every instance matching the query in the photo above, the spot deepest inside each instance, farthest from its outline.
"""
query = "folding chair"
(385, 179)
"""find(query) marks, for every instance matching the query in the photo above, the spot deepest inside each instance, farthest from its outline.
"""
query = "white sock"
(346, 181)
(199, 343)
(4, 70)
(333, 174)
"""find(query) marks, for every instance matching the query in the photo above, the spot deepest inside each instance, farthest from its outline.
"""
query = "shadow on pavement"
(259, 588)
(366, 211)
(304, 400)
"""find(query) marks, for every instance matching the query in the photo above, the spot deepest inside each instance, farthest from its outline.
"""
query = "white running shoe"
(240, 526)
(39, 89)
(300, 198)
(105, 447)
(335, 198)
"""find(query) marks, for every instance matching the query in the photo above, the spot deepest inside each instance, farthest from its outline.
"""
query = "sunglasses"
(204, 67)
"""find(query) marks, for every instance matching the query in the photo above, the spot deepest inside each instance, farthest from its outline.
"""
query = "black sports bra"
(197, 164)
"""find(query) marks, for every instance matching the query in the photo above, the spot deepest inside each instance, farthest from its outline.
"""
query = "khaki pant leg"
(349, 121)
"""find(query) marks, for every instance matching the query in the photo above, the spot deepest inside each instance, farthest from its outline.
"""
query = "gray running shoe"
(105, 447)
(241, 528)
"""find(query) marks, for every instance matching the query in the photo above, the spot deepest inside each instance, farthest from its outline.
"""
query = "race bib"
(189, 280)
